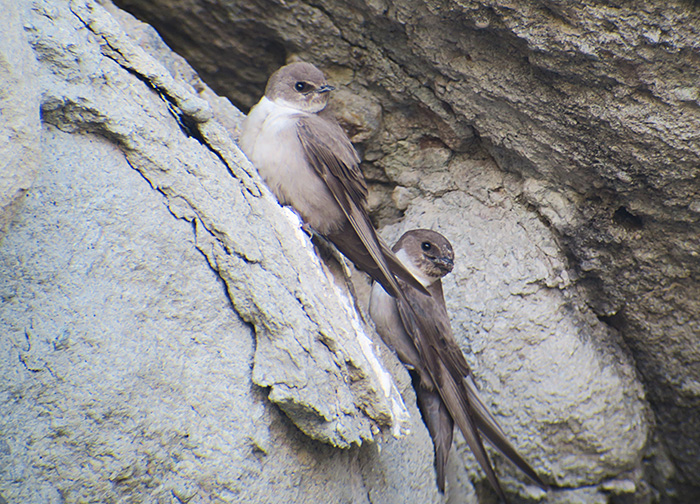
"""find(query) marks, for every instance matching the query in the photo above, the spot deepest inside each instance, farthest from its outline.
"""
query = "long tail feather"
(440, 426)
(457, 403)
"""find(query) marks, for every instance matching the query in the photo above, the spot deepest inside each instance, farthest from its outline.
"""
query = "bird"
(309, 163)
(422, 337)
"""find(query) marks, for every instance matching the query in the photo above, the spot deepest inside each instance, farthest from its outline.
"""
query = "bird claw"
(308, 229)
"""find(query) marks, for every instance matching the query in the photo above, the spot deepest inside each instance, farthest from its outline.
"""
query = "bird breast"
(385, 314)
(270, 141)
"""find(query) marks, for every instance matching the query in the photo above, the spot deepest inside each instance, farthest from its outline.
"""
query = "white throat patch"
(298, 107)
(424, 279)
(280, 106)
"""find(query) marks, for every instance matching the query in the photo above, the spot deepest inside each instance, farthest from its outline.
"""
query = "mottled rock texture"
(155, 319)
(160, 308)
(583, 116)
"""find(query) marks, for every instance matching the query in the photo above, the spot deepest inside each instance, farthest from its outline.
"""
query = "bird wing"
(427, 322)
(440, 425)
(329, 151)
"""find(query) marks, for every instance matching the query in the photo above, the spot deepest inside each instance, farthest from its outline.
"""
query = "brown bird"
(418, 328)
(309, 163)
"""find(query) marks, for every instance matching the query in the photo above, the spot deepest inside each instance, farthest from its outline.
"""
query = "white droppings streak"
(400, 415)
(296, 223)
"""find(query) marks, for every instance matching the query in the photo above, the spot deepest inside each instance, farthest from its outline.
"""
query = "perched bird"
(308, 162)
(422, 337)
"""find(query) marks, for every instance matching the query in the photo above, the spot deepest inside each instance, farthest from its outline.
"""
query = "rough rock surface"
(20, 126)
(149, 284)
(153, 315)
(582, 115)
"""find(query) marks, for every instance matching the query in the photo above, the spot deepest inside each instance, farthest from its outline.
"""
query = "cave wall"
(589, 111)
(555, 144)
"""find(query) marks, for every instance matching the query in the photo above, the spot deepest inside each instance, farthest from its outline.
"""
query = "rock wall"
(159, 343)
(586, 115)
(163, 343)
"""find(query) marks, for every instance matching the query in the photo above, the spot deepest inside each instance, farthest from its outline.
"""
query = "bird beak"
(325, 89)
(444, 263)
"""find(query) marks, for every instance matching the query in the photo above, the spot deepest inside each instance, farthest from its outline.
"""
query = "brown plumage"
(418, 328)
(309, 163)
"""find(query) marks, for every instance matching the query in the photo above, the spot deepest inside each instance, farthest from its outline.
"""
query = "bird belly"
(385, 314)
(278, 155)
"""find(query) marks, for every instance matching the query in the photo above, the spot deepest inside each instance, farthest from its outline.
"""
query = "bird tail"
(457, 402)
(494, 434)
(440, 425)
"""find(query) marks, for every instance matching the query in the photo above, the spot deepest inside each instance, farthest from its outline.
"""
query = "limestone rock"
(19, 128)
(589, 113)
(154, 315)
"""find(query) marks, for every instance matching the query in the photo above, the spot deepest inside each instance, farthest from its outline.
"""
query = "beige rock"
(590, 114)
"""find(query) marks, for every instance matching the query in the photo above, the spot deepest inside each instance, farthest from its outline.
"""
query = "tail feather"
(440, 425)
(457, 403)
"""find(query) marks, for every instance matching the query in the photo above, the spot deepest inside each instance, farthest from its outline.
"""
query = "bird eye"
(301, 86)
(426, 246)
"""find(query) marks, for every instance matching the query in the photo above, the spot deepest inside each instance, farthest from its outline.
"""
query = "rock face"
(153, 315)
(581, 116)
(172, 337)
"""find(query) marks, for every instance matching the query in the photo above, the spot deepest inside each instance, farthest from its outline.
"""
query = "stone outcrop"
(156, 325)
(172, 335)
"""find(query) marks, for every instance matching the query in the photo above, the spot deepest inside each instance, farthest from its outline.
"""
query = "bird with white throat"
(309, 163)
(422, 337)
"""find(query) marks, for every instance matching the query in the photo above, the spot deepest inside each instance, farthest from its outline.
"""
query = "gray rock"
(159, 342)
(590, 114)
(20, 125)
